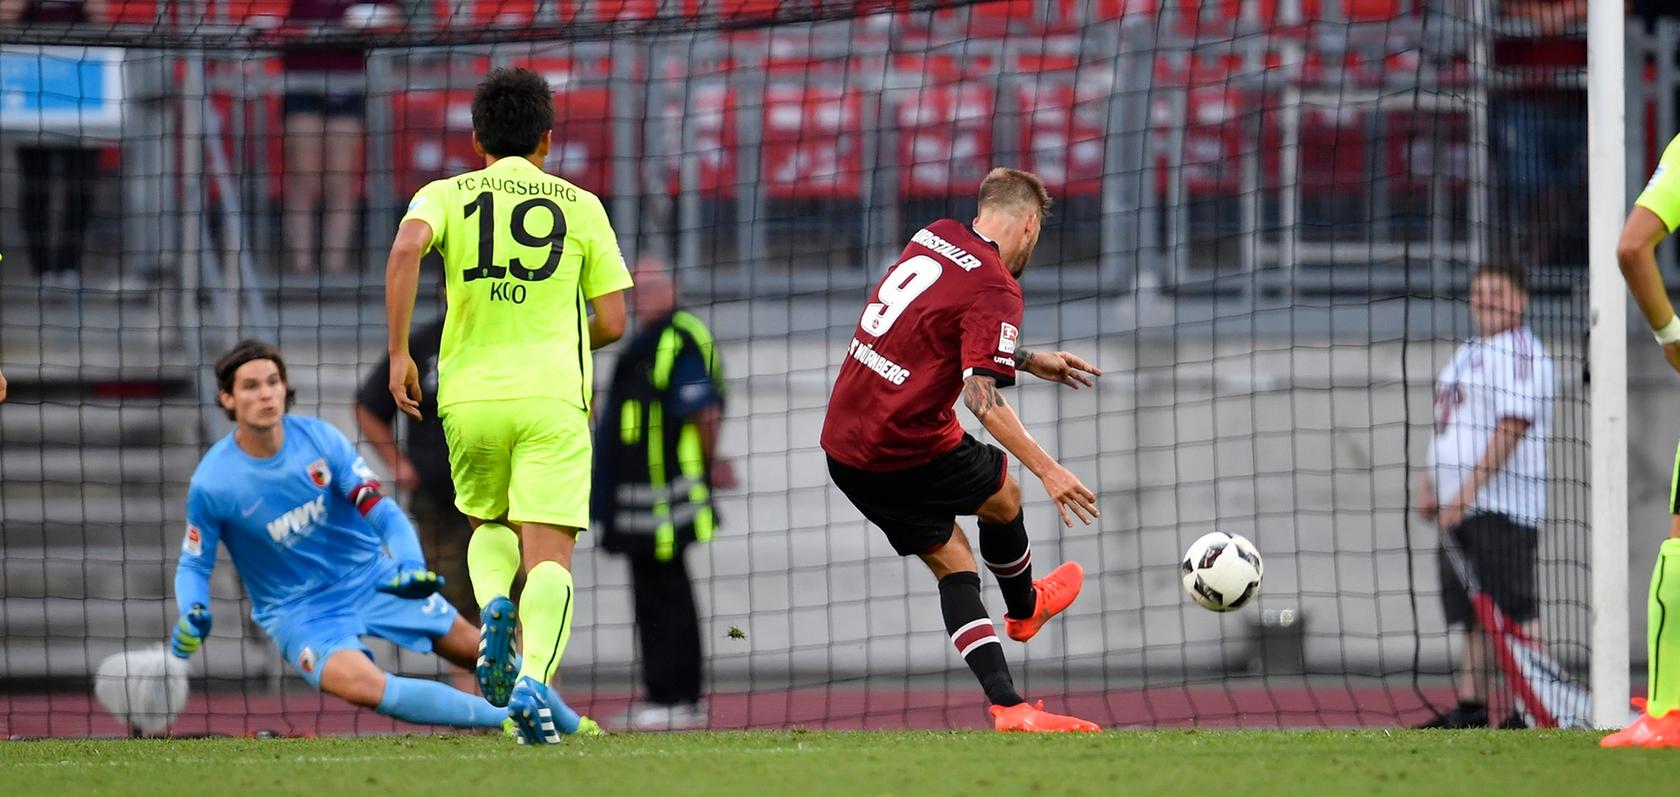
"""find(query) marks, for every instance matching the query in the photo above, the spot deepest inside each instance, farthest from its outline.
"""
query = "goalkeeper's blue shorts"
(309, 633)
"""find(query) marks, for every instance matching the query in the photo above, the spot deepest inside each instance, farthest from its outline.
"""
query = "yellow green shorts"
(528, 459)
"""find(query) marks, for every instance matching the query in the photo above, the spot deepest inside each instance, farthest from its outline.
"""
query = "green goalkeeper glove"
(412, 581)
(190, 631)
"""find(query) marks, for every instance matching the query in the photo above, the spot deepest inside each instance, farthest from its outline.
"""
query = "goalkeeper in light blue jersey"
(325, 557)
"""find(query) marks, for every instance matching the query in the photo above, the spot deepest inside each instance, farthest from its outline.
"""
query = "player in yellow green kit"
(523, 253)
(1656, 213)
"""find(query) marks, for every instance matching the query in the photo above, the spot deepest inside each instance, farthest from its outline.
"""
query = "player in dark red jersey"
(945, 321)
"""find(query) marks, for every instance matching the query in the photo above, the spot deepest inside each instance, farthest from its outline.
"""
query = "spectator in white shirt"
(1487, 482)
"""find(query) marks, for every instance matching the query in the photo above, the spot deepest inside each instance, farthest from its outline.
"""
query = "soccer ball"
(144, 689)
(1222, 571)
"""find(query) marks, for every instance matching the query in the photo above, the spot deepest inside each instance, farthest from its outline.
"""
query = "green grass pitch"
(760, 764)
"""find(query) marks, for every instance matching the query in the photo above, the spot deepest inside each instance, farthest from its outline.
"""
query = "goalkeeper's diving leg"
(350, 674)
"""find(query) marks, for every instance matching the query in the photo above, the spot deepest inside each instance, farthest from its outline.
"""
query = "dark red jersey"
(947, 309)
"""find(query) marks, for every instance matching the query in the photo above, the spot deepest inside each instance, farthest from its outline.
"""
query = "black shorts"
(1505, 556)
(918, 506)
(329, 104)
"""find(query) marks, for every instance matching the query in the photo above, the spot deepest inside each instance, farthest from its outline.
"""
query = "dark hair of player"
(512, 111)
(244, 352)
(1014, 190)
(1517, 276)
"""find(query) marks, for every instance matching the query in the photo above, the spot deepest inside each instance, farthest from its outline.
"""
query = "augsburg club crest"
(319, 473)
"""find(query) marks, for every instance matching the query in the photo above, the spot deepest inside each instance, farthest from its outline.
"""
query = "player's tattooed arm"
(1022, 357)
(980, 395)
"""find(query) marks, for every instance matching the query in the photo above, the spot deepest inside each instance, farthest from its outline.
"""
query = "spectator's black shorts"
(1504, 555)
(328, 104)
(918, 506)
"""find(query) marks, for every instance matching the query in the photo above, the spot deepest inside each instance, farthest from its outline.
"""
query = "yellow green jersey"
(523, 252)
(1662, 194)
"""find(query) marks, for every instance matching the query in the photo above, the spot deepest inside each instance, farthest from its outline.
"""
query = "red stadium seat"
(945, 67)
(582, 150)
(1219, 128)
(1354, 70)
(945, 139)
(1063, 132)
(813, 147)
(1372, 10)
(271, 146)
(432, 137)
(1213, 140)
(433, 134)
(796, 67)
(1202, 19)
(991, 19)
(1418, 144)
(747, 9)
(1334, 151)
(564, 69)
(1269, 11)
(629, 10)
(241, 11)
(501, 13)
(1222, 18)
(1000, 15)
(1079, 12)
(711, 139)
(132, 12)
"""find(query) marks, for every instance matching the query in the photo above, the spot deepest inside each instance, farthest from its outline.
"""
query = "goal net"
(1268, 214)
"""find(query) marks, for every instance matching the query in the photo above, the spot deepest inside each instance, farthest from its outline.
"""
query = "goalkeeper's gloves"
(412, 581)
(190, 631)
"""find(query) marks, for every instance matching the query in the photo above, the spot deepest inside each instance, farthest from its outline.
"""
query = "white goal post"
(1606, 206)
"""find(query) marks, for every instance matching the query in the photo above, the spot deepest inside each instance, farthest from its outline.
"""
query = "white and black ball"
(1222, 572)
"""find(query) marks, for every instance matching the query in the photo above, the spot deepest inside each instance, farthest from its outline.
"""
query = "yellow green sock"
(492, 561)
(545, 612)
(1664, 666)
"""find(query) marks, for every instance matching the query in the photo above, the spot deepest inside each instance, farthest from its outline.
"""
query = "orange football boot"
(1032, 718)
(1647, 731)
(1055, 593)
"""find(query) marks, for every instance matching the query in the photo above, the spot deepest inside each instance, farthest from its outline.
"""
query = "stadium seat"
(502, 13)
(944, 139)
(1349, 69)
(1075, 13)
(1218, 127)
(1206, 19)
(710, 111)
(1334, 152)
(797, 67)
(990, 20)
(632, 10)
(813, 143)
(265, 144)
(1228, 19)
(1416, 145)
(431, 137)
(132, 12)
(944, 67)
(243, 11)
(1062, 132)
(561, 70)
(747, 9)
(432, 127)
(1042, 63)
(1372, 10)
(582, 150)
